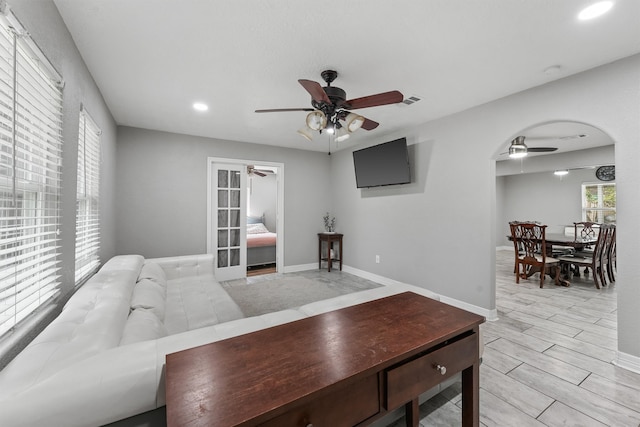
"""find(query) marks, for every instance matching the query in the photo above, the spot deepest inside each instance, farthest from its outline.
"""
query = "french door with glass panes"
(228, 241)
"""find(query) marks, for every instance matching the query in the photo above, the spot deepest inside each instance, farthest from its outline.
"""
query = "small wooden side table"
(330, 238)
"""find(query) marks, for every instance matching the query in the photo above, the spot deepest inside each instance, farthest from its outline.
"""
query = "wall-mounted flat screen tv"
(383, 164)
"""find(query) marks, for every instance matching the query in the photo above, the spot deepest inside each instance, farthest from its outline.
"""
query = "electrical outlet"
(377, 259)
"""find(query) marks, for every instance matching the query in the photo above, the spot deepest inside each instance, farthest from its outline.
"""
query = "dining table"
(561, 239)
(578, 243)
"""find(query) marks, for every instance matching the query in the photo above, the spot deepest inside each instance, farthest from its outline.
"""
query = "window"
(30, 176)
(599, 203)
(87, 198)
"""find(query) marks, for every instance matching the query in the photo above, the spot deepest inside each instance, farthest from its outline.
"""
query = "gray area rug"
(265, 294)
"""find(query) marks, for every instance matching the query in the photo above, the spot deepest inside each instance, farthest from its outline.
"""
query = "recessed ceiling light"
(595, 10)
(199, 106)
(561, 172)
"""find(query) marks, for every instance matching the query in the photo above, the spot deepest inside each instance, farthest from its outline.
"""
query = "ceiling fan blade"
(369, 124)
(278, 110)
(315, 90)
(392, 97)
(541, 149)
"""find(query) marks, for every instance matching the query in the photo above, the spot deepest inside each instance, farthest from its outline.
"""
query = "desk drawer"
(408, 380)
(346, 406)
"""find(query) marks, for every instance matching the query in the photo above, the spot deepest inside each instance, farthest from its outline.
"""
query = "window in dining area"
(599, 203)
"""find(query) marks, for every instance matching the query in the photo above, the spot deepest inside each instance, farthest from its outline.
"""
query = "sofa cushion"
(198, 301)
(153, 271)
(186, 266)
(142, 325)
(149, 295)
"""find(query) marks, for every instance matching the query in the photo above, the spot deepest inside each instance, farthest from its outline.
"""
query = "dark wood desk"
(342, 368)
(329, 238)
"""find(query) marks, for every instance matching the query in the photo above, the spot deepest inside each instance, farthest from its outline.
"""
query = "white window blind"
(87, 198)
(30, 176)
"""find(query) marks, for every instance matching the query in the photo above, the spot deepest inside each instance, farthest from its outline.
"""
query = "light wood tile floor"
(547, 360)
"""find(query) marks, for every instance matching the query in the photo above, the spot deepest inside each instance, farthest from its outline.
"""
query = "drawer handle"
(441, 369)
(309, 425)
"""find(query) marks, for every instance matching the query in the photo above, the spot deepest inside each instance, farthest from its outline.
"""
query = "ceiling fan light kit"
(342, 134)
(518, 149)
(353, 122)
(316, 120)
(306, 132)
(330, 106)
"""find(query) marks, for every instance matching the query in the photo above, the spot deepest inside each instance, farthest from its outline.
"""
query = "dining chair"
(608, 252)
(518, 250)
(596, 261)
(530, 252)
(586, 228)
(612, 255)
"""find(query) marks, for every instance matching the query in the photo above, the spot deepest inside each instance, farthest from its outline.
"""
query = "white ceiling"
(152, 59)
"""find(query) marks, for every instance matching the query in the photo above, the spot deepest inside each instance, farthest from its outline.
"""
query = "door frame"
(211, 246)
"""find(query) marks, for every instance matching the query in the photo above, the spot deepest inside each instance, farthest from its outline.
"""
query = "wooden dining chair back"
(585, 229)
(517, 250)
(531, 252)
(612, 255)
(597, 260)
(608, 252)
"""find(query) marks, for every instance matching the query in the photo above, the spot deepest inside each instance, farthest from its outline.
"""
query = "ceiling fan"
(251, 171)
(519, 149)
(331, 107)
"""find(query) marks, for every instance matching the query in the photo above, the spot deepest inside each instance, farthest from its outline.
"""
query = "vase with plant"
(329, 223)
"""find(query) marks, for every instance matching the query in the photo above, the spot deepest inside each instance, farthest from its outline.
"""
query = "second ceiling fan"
(332, 110)
(519, 149)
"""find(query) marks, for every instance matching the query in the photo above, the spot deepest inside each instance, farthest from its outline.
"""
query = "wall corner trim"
(628, 362)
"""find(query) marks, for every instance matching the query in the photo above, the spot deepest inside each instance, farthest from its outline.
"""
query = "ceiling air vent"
(411, 100)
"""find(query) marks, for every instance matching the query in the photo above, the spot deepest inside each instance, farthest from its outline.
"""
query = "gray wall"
(440, 232)
(264, 195)
(543, 197)
(42, 20)
(162, 193)
(537, 194)
(157, 205)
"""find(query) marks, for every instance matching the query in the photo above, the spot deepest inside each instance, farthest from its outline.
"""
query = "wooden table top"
(564, 240)
(561, 239)
(256, 375)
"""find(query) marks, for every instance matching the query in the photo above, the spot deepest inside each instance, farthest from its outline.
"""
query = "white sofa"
(102, 359)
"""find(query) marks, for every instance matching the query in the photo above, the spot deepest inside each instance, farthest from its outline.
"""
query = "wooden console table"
(342, 368)
(329, 238)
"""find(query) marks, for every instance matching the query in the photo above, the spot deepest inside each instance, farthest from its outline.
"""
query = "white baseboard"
(623, 360)
(490, 315)
(370, 276)
(300, 267)
(627, 361)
